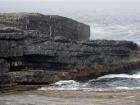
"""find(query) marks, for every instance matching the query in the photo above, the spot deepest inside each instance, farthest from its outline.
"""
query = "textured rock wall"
(29, 55)
(48, 25)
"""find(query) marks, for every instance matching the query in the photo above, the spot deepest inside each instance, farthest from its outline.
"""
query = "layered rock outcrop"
(47, 26)
(38, 49)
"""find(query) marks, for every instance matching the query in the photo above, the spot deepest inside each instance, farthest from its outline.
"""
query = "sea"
(110, 82)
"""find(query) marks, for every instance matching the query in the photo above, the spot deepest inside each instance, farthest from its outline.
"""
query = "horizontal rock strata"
(33, 52)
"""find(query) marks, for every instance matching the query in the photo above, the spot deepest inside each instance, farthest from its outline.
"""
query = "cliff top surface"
(30, 14)
(19, 14)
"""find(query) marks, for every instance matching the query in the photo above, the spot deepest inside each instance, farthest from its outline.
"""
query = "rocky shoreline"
(42, 49)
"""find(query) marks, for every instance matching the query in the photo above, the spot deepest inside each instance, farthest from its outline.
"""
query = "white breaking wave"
(97, 85)
(134, 76)
(57, 88)
(127, 88)
(66, 82)
(63, 85)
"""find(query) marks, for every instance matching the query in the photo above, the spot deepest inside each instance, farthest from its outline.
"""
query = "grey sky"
(49, 5)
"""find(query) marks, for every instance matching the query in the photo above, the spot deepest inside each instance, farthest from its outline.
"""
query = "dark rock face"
(33, 52)
(50, 26)
(4, 66)
(59, 55)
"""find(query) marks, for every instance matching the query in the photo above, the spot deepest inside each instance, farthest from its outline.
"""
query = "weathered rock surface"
(37, 49)
(50, 26)
(4, 66)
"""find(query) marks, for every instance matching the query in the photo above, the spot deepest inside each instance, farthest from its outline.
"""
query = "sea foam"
(111, 82)
(134, 76)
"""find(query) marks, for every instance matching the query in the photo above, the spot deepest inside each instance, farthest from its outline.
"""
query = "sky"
(82, 10)
(59, 6)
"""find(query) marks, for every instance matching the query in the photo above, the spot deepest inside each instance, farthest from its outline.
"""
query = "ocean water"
(114, 27)
(129, 32)
(110, 82)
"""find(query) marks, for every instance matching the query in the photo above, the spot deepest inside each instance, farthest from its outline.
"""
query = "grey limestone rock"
(36, 48)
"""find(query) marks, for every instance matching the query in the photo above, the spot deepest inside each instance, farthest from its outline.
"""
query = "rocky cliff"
(47, 26)
(39, 49)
